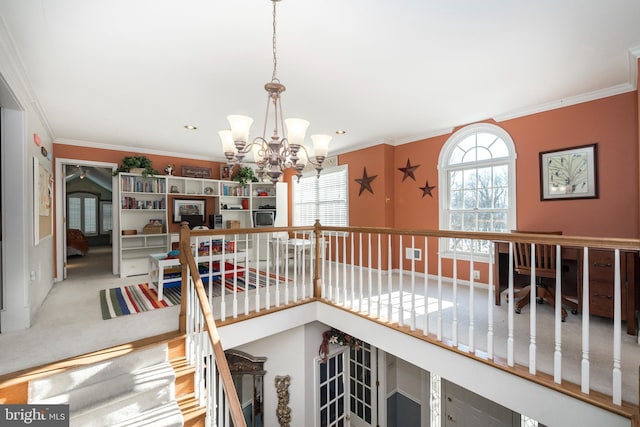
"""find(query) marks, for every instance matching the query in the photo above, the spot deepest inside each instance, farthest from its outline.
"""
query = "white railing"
(421, 280)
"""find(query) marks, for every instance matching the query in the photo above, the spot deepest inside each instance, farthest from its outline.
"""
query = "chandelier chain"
(275, 59)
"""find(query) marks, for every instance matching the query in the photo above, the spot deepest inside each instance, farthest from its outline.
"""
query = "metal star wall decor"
(408, 170)
(427, 189)
(365, 182)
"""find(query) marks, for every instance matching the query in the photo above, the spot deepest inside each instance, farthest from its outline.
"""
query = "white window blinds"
(323, 198)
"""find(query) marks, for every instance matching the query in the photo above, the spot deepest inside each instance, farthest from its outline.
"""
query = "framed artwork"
(188, 207)
(225, 172)
(570, 173)
(196, 172)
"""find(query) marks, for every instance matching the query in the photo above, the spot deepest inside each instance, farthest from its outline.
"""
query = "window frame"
(312, 175)
(82, 196)
(443, 179)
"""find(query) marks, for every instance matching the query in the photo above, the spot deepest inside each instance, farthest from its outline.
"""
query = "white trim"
(443, 179)
(565, 102)
(60, 195)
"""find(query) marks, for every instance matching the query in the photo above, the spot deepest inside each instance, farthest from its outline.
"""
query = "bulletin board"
(42, 202)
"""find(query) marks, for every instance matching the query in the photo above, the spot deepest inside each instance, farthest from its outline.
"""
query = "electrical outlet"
(476, 274)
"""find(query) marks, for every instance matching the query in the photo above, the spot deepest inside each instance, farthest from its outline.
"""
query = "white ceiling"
(134, 72)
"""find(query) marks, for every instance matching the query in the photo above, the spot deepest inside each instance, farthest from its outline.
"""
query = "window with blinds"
(323, 198)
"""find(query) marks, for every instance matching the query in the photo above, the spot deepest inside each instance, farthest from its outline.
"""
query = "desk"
(159, 264)
(601, 276)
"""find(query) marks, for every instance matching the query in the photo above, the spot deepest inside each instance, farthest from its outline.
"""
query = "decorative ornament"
(169, 169)
(334, 336)
(408, 170)
(283, 411)
(36, 140)
(427, 189)
(365, 182)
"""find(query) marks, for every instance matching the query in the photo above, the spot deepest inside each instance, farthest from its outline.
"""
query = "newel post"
(317, 286)
(185, 241)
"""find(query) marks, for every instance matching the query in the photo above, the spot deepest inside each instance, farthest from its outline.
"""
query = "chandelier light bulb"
(240, 126)
(227, 141)
(296, 130)
(320, 145)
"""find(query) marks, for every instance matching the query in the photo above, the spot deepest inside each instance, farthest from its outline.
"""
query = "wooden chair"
(545, 267)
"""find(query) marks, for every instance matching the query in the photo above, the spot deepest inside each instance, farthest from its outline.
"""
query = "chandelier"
(276, 153)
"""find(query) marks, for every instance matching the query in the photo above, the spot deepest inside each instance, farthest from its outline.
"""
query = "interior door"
(363, 378)
(333, 390)
(463, 408)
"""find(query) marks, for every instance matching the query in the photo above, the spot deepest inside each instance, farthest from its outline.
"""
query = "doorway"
(86, 205)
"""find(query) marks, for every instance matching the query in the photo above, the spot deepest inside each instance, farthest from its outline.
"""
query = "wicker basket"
(152, 229)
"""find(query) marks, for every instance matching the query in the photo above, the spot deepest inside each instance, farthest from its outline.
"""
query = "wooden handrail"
(577, 241)
(186, 258)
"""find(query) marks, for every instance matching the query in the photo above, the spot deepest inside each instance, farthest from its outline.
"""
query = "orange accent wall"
(612, 122)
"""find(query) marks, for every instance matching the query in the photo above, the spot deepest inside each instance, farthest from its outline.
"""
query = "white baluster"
(379, 306)
(472, 340)
(353, 277)
(585, 322)
(510, 361)
(425, 329)
(246, 273)
(439, 331)
(617, 327)
(532, 319)
(370, 268)
(490, 303)
(389, 279)
(235, 279)
(344, 270)
(557, 354)
(257, 285)
(454, 322)
(223, 305)
(401, 286)
(360, 291)
(412, 318)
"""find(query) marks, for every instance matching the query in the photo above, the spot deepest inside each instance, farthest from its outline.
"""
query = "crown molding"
(565, 102)
(418, 137)
(103, 146)
(13, 73)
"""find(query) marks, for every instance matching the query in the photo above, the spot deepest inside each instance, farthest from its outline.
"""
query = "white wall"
(283, 358)
(22, 256)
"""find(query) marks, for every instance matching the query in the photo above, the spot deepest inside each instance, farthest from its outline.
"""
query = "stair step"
(58, 384)
(124, 407)
(167, 415)
(140, 380)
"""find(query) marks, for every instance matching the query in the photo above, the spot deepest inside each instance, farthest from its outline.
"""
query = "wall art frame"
(569, 173)
(188, 207)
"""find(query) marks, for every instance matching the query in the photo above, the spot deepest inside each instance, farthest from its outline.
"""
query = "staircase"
(146, 383)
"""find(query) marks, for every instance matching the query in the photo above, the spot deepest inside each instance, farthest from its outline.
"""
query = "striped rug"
(133, 299)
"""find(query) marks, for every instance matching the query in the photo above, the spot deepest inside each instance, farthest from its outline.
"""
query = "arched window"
(476, 172)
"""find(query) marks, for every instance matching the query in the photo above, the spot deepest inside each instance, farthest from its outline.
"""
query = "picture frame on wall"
(569, 173)
(225, 172)
(188, 207)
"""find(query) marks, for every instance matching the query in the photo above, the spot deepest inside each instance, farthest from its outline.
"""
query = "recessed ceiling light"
(190, 127)
(341, 132)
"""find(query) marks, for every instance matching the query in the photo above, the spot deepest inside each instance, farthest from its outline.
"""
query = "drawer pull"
(602, 296)
(598, 264)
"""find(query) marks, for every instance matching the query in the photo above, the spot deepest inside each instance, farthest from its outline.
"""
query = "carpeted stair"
(137, 389)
